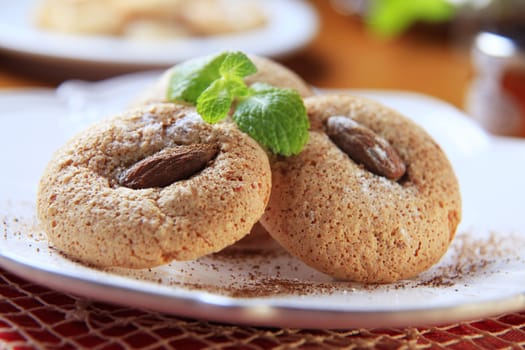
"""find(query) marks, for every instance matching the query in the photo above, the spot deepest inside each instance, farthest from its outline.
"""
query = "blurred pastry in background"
(155, 19)
(92, 17)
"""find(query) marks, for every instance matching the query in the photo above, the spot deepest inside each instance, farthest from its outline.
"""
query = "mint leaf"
(262, 87)
(215, 102)
(276, 118)
(237, 64)
(237, 87)
(189, 79)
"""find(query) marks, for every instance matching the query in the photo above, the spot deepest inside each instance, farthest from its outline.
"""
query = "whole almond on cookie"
(168, 166)
(366, 147)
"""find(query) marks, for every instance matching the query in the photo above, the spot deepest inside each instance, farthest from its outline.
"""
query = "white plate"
(292, 24)
(483, 273)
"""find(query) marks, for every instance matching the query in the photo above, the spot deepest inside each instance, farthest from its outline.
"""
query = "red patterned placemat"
(35, 317)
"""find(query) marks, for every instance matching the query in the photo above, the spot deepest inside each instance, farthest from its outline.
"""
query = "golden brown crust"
(347, 222)
(90, 217)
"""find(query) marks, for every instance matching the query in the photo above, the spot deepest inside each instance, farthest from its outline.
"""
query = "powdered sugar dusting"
(186, 130)
(340, 123)
(378, 153)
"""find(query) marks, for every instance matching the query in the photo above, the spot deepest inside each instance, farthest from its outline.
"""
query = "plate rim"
(210, 307)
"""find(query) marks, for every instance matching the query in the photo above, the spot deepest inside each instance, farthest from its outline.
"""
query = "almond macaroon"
(152, 185)
(372, 198)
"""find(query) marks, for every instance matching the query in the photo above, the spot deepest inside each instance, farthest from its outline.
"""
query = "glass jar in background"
(496, 98)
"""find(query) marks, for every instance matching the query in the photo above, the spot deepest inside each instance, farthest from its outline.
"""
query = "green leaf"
(389, 18)
(215, 102)
(262, 87)
(276, 118)
(237, 64)
(189, 79)
(237, 87)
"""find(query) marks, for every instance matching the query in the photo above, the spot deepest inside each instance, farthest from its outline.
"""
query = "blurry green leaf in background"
(389, 18)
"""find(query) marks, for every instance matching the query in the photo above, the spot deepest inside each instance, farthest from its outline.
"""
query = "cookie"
(105, 199)
(268, 71)
(342, 218)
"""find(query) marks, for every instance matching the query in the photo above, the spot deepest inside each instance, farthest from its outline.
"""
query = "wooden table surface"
(343, 55)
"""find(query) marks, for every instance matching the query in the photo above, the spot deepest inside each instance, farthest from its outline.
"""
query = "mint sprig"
(274, 117)
(191, 78)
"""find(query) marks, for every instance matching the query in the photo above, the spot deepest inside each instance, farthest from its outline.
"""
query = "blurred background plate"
(291, 24)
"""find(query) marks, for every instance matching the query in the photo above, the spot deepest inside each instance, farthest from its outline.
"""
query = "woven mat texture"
(35, 317)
